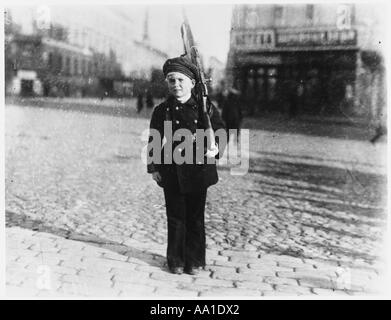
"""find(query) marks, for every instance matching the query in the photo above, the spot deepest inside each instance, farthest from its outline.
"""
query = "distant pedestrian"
(232, 111)
(222, 95)
(149, 100)
(140, 102)
(296, 98)
(380, 128)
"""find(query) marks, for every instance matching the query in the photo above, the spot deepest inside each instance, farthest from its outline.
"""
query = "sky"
(210, 23)
(210, 27)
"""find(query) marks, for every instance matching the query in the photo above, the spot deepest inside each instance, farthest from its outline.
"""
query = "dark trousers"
(186, 228)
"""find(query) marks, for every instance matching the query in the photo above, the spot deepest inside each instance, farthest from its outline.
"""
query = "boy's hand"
(156, 176)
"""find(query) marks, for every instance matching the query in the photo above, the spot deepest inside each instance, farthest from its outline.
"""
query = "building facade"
(78, 50)
(322, 59)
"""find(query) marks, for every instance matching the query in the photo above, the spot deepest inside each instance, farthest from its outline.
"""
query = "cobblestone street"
(83, 218)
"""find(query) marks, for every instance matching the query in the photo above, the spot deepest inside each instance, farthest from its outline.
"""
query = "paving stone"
(280, 281)
(240, 254)
(294, 290)
(218, 259)
(47, 261)
(221, 269)
(103, 264)
(121, 274)
(12, 265)
(233, 264)
(262, 286)
(51, 283)
(213, 282)
(258, 272)
(304, 268)
(25, 254)
(174, 293)
(237, 277)
(113, 256)
(119, 280)
(204, 274)
(135, 290)
(317, 283)
(328, 292)
(296, 275)
(20, 292)
(171, 277)
(226, 292)
(292, 264)
(143, 262)
(53, 269)
(104, 281)
(196, 287)
(14, 281)
(249, 260)
(75, 290)
(53, 294)
(150, 268)
(284, 294)
(287, 261)
(267, 267)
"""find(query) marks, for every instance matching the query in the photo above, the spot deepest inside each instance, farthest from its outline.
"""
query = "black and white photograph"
(225, 150)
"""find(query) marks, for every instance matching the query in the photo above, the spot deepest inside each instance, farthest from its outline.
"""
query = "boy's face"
(179, 84)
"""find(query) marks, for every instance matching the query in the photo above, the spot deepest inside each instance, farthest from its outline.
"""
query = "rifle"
(200, 89)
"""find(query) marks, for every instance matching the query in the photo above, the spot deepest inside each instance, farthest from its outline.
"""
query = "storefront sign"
(259, 59)
(262, 39)
(316, 38)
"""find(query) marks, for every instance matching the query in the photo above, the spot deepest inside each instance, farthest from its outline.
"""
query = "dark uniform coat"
(188, 177)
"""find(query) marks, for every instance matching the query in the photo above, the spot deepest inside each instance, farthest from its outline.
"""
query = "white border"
(189, 2)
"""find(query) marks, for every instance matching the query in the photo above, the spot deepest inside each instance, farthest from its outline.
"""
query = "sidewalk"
(41, 264)
(85, 220)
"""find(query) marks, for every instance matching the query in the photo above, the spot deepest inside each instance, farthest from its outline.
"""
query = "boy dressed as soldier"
(184, 184)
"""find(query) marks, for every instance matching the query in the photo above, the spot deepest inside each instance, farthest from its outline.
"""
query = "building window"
(50, 60)
(96, 68)
(60, 62)
(67, 65)
(309, 13)
(279, 15)
(76, 66)
(83, 67)
(89, 67)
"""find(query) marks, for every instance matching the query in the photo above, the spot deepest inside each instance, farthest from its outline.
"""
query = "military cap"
(182, 65)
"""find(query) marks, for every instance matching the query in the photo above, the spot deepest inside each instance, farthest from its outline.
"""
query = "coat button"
(176, 108)
(177, 122)
(195, 121)
(168, 109)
